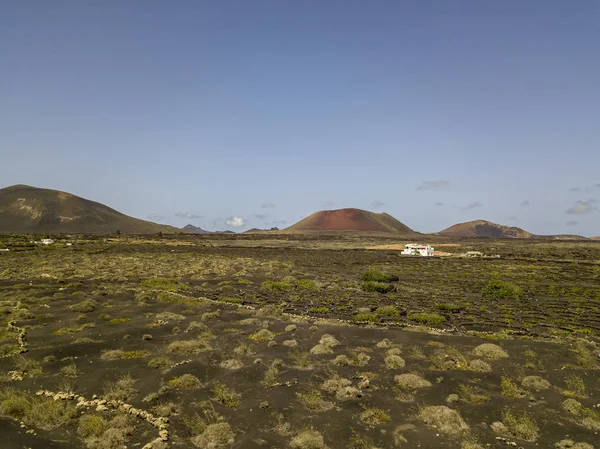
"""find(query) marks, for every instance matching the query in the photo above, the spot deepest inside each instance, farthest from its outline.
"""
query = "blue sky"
(436, 112)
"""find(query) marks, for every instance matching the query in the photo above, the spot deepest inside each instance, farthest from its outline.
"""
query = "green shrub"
(369, 317)
(275, 285)
(374, 275)
(119, 320)
(376, 286)
(185, 382)
(426, 318)
(305, 284)
(447, 307)
(389, 311)
(86, 306)
(165, 284)
(226, 396)
(319, 310)
(232, 300)
(502, 290)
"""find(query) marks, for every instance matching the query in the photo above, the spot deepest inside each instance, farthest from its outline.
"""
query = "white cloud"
(525, 203)
(572, 223)
(440, 184)
(236, 222)
(261, 216)
(582, 207)
(439, 204)
(268, 205)
(377, 204)
(187, 215)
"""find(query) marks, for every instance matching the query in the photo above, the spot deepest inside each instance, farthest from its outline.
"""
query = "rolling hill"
(595, 238)
(191, 229)
(350, 220)
(482, 228)
(31, 210)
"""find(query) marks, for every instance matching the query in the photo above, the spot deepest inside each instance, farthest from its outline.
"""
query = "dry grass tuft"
(490, 351)
(374, 416)
(443, 418)
(308, 439)
(522, 426)
(535, 383)
(185, 382)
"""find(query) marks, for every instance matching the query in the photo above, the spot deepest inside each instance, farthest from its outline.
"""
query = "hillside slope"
(25, 209)
(350, 220)
(482, 228)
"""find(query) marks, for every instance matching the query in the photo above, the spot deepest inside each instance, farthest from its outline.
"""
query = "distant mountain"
(350, 220)
(30, 210)
(255, 230)
(482, 228)
(195, 230)
(561, 237)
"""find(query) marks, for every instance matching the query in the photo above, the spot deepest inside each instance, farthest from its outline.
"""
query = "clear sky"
(436, 112)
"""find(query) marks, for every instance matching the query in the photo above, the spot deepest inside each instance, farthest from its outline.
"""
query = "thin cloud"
(440, 184)
(236, 222)
(515, 219)
(280, 222)
(582, 208)
(261, 216)
(574, 189)
(329, 203)
(475, 205)
(439, 204)
(156, 217)
(268, 206)
(189, 215)
(525, 203)
(377, 204)
(572, 223)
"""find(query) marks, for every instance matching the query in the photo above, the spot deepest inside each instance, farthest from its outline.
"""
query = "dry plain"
(298, 341)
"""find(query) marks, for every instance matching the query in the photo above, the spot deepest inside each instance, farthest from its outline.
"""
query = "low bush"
(185, 382)
(275, 285)
(426, 318)
(502, 290)
(379, 287)
(388, 311)
(377, 276)
(226, 396)
(368, 317)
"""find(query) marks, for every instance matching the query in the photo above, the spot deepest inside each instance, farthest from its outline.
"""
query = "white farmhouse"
(47, 241)
(415, 249)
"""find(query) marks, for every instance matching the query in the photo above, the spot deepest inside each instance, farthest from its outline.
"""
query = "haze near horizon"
(257, 114)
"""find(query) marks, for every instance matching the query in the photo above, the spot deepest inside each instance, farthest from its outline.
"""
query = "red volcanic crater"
(350, 220)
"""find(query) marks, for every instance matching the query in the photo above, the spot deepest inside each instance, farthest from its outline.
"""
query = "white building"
(47, 241)
(415, 249)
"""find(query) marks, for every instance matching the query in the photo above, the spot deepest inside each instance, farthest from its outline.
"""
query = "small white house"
(47, 241)
(415, 249)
